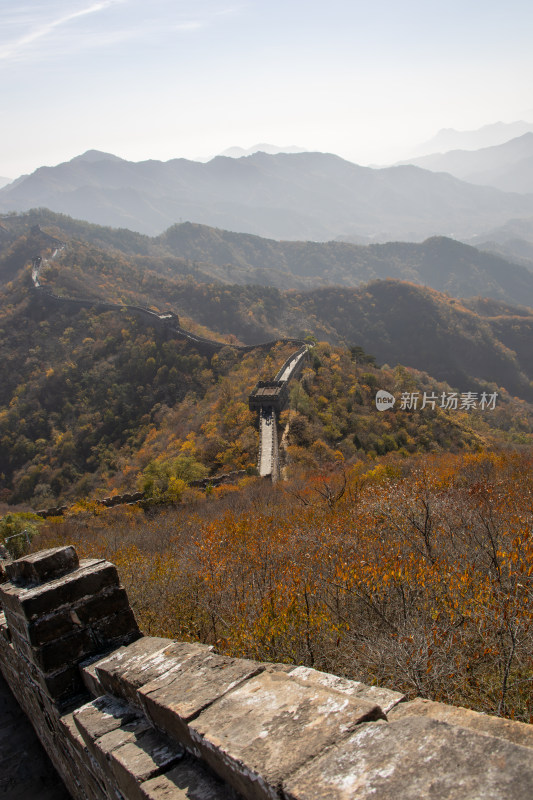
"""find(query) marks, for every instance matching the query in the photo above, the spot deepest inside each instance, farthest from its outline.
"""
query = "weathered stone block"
(105, 632)
(517, 732)
(105, 604)
(264, 730)
(76, 763)
(58, 654)
(41, 631)
(103, 715)
(117, 725)
(385, 698)
(43, 566)
(120, 628)
(189, 780)
(129, 668)
(138, 761)
(173, 699)
(88, 673)
(414, 759)
(92, 577)
(60, 686)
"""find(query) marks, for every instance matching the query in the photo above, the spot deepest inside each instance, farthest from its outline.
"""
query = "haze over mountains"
(486, 136)
(507, 166)
(295, 196)
(262, 147)
(439, 262)
(454, 340)
(211, 254)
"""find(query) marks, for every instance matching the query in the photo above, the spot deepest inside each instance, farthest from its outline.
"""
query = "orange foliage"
(416, 574)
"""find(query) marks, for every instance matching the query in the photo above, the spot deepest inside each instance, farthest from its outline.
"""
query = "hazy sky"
(176, 78)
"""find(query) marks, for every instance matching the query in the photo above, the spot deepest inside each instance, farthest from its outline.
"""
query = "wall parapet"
(145, 718)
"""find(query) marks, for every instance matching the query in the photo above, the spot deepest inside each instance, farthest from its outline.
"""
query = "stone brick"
(60, 686)
(189, 780)
(55, 655)
(77, 763)
(178, 696)
(97, 611)
(415, 759)
(103, 715)
(105, 604)
(517, 732)
(41, 631)
(90, 679)
(120, 628)
(131, 667)
(92, 577)
(264, 730)
(385, 698)
(46, 565)
(141, 759)
(119, 732)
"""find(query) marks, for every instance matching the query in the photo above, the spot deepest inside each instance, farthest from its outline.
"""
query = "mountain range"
(292, 196)
(262, 147)
(486, 136)
(395, 320)
(211, 254)
(507, 166)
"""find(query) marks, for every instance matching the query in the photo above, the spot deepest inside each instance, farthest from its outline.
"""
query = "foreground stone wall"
(144, 718)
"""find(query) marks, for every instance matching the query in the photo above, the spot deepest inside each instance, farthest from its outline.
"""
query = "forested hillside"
(210, 254)
(95, 400)
(462, 342)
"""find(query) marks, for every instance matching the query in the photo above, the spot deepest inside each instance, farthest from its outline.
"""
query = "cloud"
(15, 48)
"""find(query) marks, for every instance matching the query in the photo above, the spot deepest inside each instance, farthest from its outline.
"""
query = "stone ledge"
(265, 729)
(174, 699)
(387, 699)
(129, 668)
(517, 732)
(136, 762)
(414, 759)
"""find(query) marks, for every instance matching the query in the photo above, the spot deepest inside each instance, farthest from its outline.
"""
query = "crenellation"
(148, 718)
(41, 567)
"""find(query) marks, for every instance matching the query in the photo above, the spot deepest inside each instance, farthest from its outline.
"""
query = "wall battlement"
(144, 718)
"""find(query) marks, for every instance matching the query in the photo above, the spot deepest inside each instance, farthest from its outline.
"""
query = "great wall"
(123, 716)
(268, 398)
(129, 717)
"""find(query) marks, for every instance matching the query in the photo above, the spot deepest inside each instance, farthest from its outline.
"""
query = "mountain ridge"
(310, 196)
(226, 257)
(507, 166)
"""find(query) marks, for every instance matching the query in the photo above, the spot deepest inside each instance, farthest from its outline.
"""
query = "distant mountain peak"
(487, 136)
(271, 149)
(90, 156)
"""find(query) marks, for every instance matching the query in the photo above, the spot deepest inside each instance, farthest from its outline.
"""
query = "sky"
(185, 79)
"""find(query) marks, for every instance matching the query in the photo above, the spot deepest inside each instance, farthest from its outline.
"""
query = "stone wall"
(144, 718)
